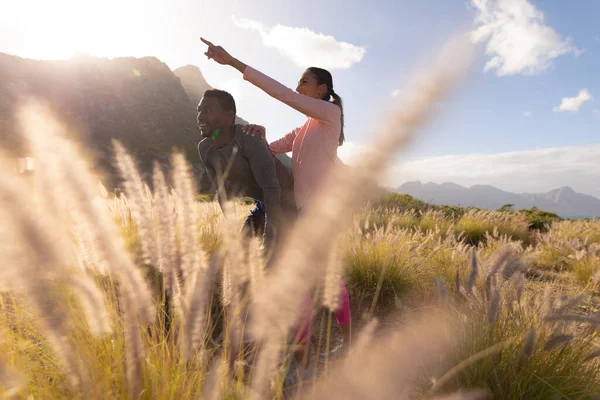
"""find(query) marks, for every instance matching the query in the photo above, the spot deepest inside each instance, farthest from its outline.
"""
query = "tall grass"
(152, 294)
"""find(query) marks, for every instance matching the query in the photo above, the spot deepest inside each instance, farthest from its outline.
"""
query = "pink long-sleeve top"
(313, 145)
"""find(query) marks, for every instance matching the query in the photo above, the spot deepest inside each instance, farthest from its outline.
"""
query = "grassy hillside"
(502, 305)
(152, 294)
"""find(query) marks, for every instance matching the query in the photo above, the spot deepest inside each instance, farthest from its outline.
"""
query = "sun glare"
(58, 29)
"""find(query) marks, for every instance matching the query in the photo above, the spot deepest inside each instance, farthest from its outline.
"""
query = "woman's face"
(308, 86)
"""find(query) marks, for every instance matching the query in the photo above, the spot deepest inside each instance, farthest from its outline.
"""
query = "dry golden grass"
(152, 294)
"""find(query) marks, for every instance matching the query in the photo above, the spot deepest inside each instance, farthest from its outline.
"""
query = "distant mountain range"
(564, 201)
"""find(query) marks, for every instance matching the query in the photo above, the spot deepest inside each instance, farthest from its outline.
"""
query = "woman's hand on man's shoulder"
(253, 130)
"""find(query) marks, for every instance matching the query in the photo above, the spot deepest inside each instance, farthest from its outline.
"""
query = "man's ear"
(230, 116)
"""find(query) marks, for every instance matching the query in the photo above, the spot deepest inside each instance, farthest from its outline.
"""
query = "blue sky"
(505, 126)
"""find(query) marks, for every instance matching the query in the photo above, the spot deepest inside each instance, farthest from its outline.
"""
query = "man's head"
(216, 110)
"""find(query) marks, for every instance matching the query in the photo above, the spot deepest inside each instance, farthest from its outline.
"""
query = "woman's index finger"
(206, 42)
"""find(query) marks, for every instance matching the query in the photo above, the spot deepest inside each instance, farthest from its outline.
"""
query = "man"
(243, 165)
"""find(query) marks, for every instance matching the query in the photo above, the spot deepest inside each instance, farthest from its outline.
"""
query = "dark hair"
(225, 99)
(324, 78)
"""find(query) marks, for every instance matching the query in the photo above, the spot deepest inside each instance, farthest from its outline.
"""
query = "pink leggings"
(342, 314)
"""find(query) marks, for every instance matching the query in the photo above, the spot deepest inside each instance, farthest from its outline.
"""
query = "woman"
(314, 151)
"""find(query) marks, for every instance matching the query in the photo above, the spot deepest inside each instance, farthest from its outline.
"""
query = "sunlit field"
(153, 293)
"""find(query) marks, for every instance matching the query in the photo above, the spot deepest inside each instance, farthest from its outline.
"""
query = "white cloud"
(305, 47)
(527, 113)
(597, 111)
(519, 171)
(396, 92)
(517, 40)
(573, 103)
(529, 171)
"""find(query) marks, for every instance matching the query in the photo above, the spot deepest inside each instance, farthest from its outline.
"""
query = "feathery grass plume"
(53, 193)
(474, 271)
(333, 276)
(424, 242)
(494, 306)
(194, 279)
(495, 263)
(198, 295)
(556, 341)
(88, 256)
(256, 264)
(227, 290)
(265, 366)
(135, 296)
(51, 190)
(82, 248)
(457, 286)
(31, 263)
(52, 319)
(92, 302)
(124, 211)
(236, 276)
(547, 304)
(570, 304)
(130, 279)
(233, 252)
(213, 387)
(164, 230)
(511, 267)
(366, 336)
(392, 365)
(528, 346)
(54, 153)
(187, 215)
(134, 354)
(519, 285)
(140, 202)
(594, 319)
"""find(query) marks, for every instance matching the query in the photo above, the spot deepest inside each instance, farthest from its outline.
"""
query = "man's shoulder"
(251, 146)
(248, 140)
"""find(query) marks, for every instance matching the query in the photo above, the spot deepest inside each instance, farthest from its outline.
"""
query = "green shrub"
(365, 266)
(476, 225)
(401, 202)
(508, 344)
(539, 220)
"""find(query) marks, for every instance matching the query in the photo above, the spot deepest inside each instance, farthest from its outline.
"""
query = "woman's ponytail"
(324, 78)
(337, 100)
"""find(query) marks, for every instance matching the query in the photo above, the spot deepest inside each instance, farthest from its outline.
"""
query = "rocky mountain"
(193, 82)
(138, 101)
(563, 201)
